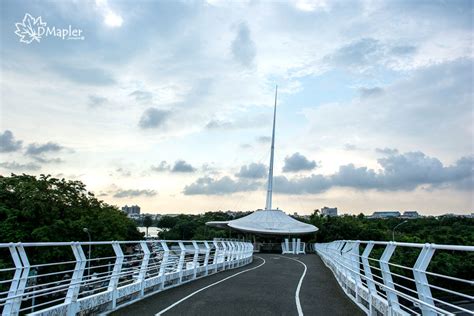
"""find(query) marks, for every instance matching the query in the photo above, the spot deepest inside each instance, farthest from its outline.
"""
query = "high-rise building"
(329, 211)
(131, 210)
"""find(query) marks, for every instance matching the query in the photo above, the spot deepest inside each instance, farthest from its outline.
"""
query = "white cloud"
(111, 18)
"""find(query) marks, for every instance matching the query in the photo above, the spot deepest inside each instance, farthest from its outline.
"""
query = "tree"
(167, 222)
(34, 209)
(147, 222)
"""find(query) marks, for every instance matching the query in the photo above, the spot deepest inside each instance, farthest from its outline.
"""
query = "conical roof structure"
(268, 221)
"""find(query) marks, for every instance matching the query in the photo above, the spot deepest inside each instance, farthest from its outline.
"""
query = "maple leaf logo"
(28, 29)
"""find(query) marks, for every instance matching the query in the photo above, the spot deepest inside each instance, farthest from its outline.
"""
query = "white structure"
(294, 247)
(269, 221)
(377, 295)
(98, 285)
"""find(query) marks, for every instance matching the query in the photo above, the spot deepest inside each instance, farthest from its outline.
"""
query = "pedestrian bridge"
(226, 277)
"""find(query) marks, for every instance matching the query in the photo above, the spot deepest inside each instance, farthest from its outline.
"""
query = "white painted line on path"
(208, 286)
(298, 288)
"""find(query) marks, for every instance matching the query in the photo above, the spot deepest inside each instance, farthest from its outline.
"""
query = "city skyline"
(168, 105)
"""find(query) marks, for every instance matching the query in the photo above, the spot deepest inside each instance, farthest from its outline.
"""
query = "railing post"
(422, 285)
(164, 264)
(240, 250)
(206, 258)
(76, 280)
(224, 251)
(392, 297)
(344, 262)
(233, 256)
(215, 260)
(368, 273)
(17, 286)
(356, 267)
(143, 266)
(195, 258)
(181, 260)
(114, 279)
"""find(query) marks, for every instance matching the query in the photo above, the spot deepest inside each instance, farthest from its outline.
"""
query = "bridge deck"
(267, 288)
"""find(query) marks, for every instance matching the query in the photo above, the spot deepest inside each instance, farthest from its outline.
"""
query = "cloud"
(430, 106)
(264, 139)
(311, 5)
(153, 118)
(358, 54)
(163, 166)
(14, 166)
(298, 162)
(368, 53)
(357, 178)
(403, 50)
(243, 47)
(134, 193)
(8, 142)
(84, 75)
(386, 151)
(370, 92)
(312, 184)
(96, 101)
(47, 160)
(142, 96)
(245, 122)
(252, 171)
(38, 149)
(182, 166)
(123, 172)
(224, 185)
(409, 170)
(218, 124)
(111, 18)
(350, 147)
(398, 172)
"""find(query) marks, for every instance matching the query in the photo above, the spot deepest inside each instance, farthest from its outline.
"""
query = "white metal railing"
(294, 246)
(379, 286)
(95, 277)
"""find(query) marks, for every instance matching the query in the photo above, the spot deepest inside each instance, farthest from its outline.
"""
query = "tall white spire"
(268, 204)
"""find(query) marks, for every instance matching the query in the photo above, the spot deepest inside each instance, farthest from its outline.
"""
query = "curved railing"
(66, 278)
(393, 278)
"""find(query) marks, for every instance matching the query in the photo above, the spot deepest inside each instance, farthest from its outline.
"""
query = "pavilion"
(268, 221)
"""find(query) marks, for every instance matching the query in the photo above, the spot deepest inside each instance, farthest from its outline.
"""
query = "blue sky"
(169, 104)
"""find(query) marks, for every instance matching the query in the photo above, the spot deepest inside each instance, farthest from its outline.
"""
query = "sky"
(168, 104)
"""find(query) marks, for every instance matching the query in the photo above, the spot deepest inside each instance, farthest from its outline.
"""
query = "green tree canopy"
(46, 209)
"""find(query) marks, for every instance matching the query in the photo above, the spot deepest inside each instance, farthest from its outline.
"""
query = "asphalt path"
(271, 285)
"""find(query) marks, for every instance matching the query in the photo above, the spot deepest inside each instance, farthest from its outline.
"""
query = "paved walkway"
(267, 286)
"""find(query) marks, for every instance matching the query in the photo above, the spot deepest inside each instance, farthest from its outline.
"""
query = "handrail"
(126, 272)
(390, 293)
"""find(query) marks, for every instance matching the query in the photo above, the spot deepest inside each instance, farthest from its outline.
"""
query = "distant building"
(410, 214)
(386, 214)
(131, 210)
(295, 214)
(456, 215)
(329, 211)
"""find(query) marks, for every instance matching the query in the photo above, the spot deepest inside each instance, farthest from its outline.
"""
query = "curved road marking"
(208, 286)
(298, 288)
